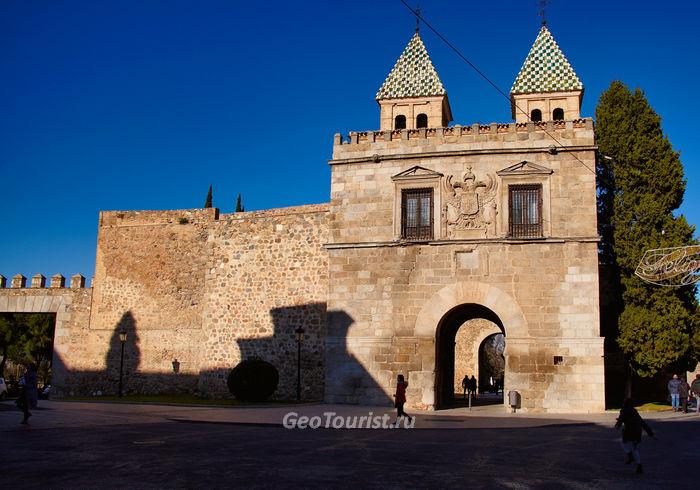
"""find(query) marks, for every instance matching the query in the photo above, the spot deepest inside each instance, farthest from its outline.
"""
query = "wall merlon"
(18, 281)
(77, 281)
(38, 281)
(58, 281)
(3, 282)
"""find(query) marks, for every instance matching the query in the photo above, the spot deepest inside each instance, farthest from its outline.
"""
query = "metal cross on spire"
(418, 12)
(543, 8)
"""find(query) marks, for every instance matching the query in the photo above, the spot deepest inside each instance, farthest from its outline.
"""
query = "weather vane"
(543, 8)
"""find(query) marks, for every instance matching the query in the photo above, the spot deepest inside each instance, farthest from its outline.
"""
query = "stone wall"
(196, 293)
(267, 277)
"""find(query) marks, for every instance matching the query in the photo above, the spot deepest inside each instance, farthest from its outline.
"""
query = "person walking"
(472, 385)
(632, 424)
(400, 398)
(30, 380)
(23, 401)
(695, 389)
(683, 392)
(673, 387)
(465, 385)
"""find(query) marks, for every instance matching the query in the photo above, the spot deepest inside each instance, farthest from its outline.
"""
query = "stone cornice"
(507, 241)
(456, 153)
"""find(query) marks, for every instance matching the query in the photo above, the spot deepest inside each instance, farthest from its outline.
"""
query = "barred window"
(417, 214)
(525, 211)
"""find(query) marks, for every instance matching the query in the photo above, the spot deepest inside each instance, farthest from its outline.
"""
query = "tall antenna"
(543, 8)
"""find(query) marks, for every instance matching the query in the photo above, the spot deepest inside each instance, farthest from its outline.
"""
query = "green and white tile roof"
(413, 74)
(546, 69)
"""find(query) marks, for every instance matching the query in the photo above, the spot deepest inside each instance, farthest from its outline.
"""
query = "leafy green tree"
(641, 185)
(9, 335)
(26, 337)
(239, 205)
(208, 202)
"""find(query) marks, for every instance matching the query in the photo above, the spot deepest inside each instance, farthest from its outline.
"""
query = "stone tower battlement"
(38, 281)
(475, 138)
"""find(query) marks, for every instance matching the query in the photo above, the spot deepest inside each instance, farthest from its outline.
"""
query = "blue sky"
(142, 104)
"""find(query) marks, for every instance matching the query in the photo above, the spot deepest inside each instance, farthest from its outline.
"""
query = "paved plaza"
(110, 445)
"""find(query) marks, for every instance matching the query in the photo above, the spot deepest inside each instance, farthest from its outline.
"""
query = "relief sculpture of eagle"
(470, 203)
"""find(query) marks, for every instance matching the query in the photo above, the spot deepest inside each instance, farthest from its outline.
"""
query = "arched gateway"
(447, 310)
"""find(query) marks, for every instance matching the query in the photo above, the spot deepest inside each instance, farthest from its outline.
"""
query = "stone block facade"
(400, 293)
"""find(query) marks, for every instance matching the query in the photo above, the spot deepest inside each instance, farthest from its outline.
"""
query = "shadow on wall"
(69, 382)
(346, 377)
(325, 360)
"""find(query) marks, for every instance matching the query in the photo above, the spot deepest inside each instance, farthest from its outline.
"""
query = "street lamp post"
(122, 339)
(300, 337)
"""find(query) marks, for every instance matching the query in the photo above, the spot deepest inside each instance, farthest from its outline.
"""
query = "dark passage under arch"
(445, 348)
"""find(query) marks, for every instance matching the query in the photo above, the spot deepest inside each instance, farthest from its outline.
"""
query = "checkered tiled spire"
(546, 69)
(413, 74)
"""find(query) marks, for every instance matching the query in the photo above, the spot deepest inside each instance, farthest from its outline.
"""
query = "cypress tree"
(640, 185)
(239, 205)
(207, 203)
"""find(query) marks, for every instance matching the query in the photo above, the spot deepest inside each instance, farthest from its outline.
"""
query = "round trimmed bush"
(253, 380)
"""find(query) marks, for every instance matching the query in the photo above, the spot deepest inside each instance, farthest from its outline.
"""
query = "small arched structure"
(558, 114)
(536, 115)
(400, 122)
(422, 121)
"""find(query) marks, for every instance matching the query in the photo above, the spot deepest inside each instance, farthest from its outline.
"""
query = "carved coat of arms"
(470, 205)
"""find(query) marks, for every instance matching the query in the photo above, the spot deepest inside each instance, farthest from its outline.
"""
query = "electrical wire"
(489, 81)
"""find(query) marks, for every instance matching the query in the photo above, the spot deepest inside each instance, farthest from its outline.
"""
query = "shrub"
(253, 380)
(183, 221)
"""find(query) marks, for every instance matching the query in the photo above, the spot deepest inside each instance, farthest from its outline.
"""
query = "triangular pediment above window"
(525, 168)
(416, 173)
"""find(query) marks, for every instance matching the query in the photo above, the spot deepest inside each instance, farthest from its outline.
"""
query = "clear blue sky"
(142, 104)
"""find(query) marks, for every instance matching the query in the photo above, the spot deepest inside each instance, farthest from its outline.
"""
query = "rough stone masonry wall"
(268, 276)
(197, 292)
(150, 281)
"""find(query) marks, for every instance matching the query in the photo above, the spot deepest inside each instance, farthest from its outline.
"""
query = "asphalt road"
(188, 454)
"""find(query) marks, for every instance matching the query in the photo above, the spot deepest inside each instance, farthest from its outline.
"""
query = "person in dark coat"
(23, 401)
(30, 380)
(465, 385)
(400, 398)
(632, 425)
(673, 386)
(472, 385)
(695, 388)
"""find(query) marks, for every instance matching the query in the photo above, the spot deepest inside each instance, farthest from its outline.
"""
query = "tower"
(412, 96)
(546, 88)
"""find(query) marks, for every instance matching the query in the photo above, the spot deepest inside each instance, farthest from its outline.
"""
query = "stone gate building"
(430, 226)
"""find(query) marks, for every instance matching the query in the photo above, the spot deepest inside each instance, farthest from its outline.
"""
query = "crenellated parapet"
(477, 137)
(38, 281)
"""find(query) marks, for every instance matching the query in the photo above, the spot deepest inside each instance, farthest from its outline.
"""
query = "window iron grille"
(525, 211)
(417, 214)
